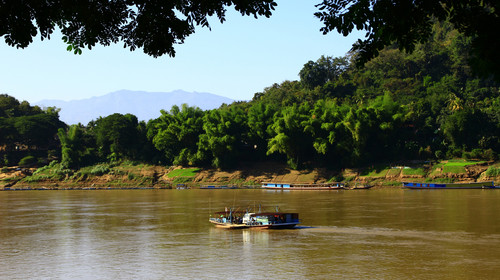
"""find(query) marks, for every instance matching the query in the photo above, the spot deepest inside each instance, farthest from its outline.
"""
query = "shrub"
(27, 161)
(474, 154)
(181, 180)
(5, 160)
(439, 154)
(337, 178)
(53, 171)
(489, 154)
(186, 172)
(41, 170)
(99, 170)
(493, 171)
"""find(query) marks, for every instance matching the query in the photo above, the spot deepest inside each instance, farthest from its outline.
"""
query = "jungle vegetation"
(427, 104)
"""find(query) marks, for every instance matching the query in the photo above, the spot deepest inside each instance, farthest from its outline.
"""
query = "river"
(165, 234)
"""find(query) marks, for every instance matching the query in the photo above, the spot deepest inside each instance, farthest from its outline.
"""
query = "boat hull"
(437, 186)
(229, 225)
(302, 186)
(242, 226)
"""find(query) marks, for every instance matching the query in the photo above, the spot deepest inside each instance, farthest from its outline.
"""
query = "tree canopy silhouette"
(152, 25)
(408, 22)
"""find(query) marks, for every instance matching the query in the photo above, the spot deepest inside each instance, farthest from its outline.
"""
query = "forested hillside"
(27, 132)
(424, 105)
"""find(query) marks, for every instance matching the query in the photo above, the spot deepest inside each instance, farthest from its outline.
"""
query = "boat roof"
(272, 213)
(255, 214)
(233, 212)
(302, 184)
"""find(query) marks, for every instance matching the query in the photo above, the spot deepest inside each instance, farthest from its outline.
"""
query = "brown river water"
(165, 234)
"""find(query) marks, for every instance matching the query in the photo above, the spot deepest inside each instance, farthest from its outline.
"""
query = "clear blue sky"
(235, 59)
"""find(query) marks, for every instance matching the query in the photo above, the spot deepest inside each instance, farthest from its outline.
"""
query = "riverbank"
(143, 176)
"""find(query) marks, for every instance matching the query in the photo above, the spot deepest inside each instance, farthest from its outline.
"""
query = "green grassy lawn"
(186, 172)
(394, 172)
(456, 169)
(461, 162)
(376, 173)
(455, 166)
(458, 166)
(414, 171)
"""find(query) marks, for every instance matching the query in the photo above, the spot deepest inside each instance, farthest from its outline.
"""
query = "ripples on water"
(148, 234)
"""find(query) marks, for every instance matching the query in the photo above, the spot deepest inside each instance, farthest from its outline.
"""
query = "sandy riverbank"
(252, 175)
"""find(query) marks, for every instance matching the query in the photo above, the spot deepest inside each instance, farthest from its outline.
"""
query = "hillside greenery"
(425, 105)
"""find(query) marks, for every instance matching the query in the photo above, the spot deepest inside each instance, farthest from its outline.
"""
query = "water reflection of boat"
(475, 185)
(232, 219)
(303, 186)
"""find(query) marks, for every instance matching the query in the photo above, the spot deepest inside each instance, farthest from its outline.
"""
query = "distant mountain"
(144, 105)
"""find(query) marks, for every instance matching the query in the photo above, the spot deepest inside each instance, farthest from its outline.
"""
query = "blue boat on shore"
(474, 185)
(212, 187)
(303, 186)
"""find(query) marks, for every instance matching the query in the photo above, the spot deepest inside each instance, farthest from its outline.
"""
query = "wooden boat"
(182, 187)
(475, 185)
(212, 187)
(303, 186)
(231, 219)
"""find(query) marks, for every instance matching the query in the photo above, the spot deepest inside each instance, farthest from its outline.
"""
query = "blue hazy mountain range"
(144, 105)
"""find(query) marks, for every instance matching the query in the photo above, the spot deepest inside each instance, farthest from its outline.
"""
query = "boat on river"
(234, 219)
(474, 185)
(303, 186)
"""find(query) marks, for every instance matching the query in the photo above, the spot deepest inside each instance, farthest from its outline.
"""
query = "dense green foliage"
(26, 130)
(424, 105)
(408, 22)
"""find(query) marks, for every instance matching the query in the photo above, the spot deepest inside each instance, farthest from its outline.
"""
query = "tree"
(37, 130)
(260, 118)
(331, 137)
(71, 146)
(464, 128)
(11, 107)
(177, 133)
(117, 136)
(222, 138)
(291, 136)
(408, 22)
(152, 25)
(325, 69)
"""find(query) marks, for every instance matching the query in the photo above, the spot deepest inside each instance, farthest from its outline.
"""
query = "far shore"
(142, 176)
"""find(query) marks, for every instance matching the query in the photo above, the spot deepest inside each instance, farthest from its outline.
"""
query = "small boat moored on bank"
(475, 185)
(231, 219)
(359, 187)
(214, 187)
(303, 186)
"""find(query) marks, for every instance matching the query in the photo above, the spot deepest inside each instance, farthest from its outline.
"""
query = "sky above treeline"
(235, 59)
